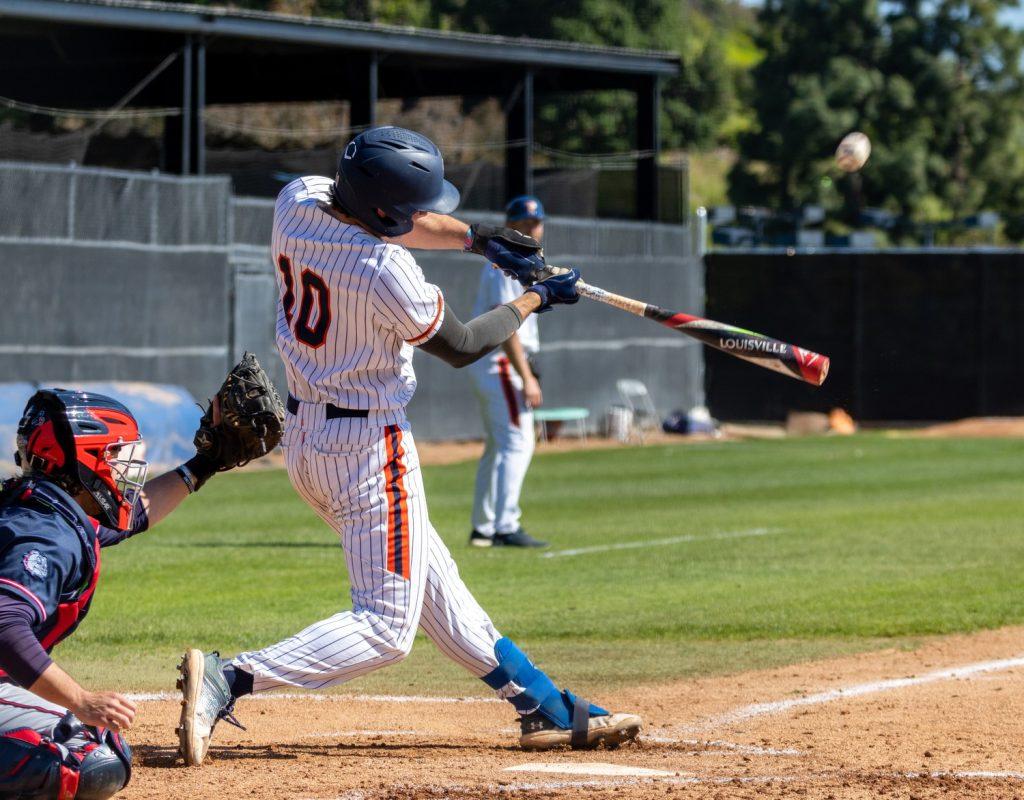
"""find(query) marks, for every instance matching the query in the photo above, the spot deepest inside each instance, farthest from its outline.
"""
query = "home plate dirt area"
(945, 720)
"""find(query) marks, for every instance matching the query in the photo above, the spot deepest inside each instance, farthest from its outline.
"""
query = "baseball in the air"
(853, 152)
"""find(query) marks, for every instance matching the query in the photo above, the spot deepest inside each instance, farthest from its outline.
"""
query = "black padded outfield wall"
(913, 335)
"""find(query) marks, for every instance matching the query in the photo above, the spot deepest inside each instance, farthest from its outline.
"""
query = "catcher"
(83, 487)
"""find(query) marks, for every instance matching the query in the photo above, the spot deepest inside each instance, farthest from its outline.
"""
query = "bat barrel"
(781, 357)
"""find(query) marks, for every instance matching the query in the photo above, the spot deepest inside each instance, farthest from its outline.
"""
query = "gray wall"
(136, 276)
(113, 276)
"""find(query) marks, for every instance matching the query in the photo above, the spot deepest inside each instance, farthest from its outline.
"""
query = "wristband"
(196, 471)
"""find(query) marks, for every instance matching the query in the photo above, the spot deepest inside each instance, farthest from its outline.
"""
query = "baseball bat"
(796, 362)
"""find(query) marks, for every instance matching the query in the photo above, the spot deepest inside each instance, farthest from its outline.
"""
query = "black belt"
(333, 412)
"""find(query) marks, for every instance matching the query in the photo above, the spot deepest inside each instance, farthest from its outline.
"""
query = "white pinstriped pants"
(364, 479)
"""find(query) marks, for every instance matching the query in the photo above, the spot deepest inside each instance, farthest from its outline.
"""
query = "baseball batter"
(508, 391)
(353, 306)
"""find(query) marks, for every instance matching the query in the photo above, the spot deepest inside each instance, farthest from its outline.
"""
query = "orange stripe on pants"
(398, 511)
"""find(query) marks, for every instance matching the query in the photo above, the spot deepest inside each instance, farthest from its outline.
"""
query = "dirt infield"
(946, 720)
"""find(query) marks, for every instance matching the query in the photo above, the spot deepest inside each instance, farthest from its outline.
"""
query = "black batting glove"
(517, 255)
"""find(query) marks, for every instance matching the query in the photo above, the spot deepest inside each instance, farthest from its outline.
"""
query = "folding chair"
(637, 399)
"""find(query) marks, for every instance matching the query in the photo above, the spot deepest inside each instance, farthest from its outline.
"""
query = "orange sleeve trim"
(432, 328)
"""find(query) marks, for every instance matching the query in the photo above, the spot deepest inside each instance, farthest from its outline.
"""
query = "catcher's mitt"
(251, 418)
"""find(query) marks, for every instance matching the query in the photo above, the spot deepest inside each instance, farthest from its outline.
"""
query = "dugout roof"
(89, 53)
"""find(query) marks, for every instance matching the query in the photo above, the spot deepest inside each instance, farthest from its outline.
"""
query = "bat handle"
(600, 295)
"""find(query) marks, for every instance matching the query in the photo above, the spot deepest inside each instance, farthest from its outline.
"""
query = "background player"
(508, 390)
(353, 305)
(83, 487)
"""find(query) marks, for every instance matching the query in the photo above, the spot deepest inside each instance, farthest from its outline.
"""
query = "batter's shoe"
(537, 732)
(206, 700)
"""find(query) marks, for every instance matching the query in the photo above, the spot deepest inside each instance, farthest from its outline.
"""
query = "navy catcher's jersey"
(49, 557)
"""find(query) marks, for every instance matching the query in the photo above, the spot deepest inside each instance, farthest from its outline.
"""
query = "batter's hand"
(105, 710)
(557, 290)
(519, 256)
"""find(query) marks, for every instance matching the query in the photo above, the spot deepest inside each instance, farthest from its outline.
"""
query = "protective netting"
(41, 201)
(263, 146)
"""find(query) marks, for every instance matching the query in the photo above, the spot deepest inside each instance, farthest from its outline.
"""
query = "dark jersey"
(50, 557)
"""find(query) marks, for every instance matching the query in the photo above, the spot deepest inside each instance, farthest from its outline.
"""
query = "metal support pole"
(519, 132)
(199, 112)
(186, 108)
(366, 87)
(648, 136)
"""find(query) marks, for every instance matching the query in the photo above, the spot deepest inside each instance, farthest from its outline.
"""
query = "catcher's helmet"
(385, 175)
(81, 440)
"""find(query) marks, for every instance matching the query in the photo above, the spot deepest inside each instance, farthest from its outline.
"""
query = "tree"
(937, 85)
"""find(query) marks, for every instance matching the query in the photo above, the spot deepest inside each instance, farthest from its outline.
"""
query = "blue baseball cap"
(525, 206)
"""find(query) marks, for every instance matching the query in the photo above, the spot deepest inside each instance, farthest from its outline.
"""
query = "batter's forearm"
(461, 344)
(435, 232)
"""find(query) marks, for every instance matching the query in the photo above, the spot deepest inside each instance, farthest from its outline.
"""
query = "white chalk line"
(718, 747)
(147, 697)
(694, 780)
(592, 768)
(714, 537)
(351, 734)
(873, 687)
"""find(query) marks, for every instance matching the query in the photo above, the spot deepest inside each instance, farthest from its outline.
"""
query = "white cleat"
(610, 730)
(206, 699)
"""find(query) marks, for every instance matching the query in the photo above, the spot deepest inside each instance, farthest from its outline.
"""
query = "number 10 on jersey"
(315, 295)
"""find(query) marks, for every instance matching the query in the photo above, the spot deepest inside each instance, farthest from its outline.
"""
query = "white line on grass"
(857, 690)
(603, 548)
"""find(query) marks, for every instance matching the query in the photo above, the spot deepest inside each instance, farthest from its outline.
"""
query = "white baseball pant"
(508, 447)
(364, 480)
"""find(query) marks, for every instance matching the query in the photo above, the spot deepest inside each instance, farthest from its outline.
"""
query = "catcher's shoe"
(206, 699)
(587, 732)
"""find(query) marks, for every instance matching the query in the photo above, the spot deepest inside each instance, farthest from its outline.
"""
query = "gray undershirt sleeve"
(461, 344)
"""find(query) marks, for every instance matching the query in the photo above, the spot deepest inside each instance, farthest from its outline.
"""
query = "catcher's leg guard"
(103, 757)
(529, 689)
(106, 769)
(35, 768)
(106, 765)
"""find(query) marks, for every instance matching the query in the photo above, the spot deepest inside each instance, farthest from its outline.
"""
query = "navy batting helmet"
(385, 175)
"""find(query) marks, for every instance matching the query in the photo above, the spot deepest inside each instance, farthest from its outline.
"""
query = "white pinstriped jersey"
(350, 308)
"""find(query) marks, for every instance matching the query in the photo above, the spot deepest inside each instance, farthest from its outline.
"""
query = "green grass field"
(870, 541)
